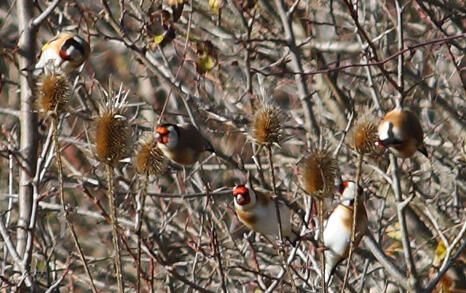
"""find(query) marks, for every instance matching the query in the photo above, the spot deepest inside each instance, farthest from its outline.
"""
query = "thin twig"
(14, 253)
(448, 261)
(399, 30)
(281, 248)
(296, 63)
(375, 63)
(218, 256)
(62, 277)
(41, 17)
(62, 199)
(390, 268)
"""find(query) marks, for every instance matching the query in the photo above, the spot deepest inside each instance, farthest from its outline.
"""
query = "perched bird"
(257, 211)
(182, 144)
(66, 51)
(337, 232)
(401, 131)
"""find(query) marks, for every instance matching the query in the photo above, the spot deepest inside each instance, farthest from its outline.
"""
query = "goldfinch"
(401, 131)
(257, 211)
(66, 51)
(182, 144)
(337, 232)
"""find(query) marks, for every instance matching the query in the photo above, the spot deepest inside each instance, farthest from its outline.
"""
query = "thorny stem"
(321, 237)
(272, 172)
(113, 219)
(120, 231)
(62, 199)
(139, 229)
(353, 229)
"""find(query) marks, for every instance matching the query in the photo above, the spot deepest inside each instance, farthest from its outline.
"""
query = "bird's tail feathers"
(331, 262)
(422, 149)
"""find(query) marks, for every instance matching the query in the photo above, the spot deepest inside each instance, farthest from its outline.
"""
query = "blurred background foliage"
(223, 59)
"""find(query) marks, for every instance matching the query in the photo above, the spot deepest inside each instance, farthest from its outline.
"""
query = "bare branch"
(41, 17)
(394, 272)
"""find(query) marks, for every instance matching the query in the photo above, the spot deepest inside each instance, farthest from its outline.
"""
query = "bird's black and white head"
(75, 49)
(245, 196)
(348, 191)
(167, 135)
(388, 134)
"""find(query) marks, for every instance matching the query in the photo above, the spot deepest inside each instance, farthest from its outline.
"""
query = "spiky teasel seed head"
(149, 158)
(317, 173)
(53, 91)
(111, 128)
(267, 125)
(363, 135)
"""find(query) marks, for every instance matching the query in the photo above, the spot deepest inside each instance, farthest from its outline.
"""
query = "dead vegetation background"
(325, 63)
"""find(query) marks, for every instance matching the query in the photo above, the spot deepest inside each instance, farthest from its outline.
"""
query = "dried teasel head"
(111, 128)
(266, 126)
(363, 135)
(149, 158)
(317, 173)
(53, 91)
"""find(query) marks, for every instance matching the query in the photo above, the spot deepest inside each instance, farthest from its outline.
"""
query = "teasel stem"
(113, 218)
(62, 199)
(281, 249)
(355, 211)
(140, 216)
(321, 237)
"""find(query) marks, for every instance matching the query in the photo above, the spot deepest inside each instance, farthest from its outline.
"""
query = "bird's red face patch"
(342, 187)
(241, 194)
(162, 134)
(64, 55)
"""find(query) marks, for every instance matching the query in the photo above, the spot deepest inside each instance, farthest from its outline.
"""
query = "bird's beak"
(159, 137)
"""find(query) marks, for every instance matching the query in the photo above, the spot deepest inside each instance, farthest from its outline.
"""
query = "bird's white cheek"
(383, 131)
(52, 55)
(349, 192)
